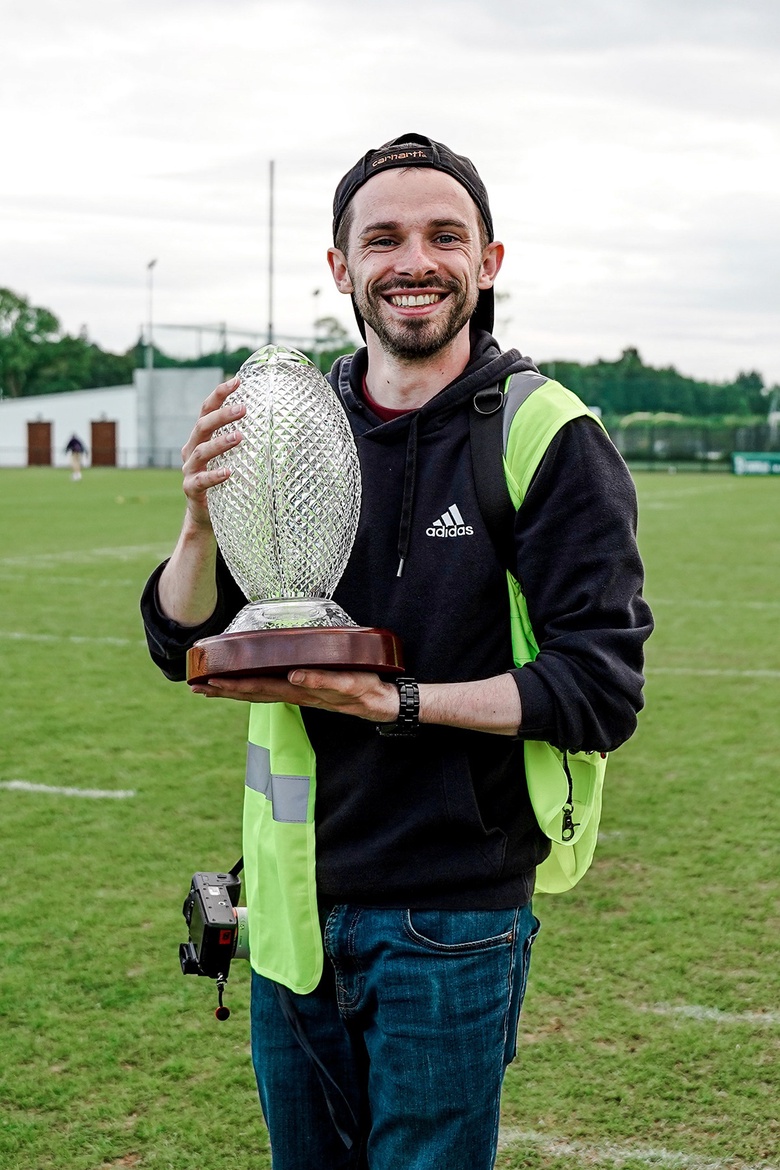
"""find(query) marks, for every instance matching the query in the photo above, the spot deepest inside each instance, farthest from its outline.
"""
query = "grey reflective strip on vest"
(289, 795)
(521, 386)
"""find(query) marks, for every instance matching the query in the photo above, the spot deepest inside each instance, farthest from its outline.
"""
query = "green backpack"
(520, 419)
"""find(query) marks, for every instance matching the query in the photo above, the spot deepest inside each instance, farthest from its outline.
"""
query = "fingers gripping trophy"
(285, 522)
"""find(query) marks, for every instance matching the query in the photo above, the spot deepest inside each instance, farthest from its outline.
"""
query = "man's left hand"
(348, 692)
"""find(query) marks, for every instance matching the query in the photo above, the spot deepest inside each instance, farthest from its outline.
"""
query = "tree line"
(37, 357)
(627, 386)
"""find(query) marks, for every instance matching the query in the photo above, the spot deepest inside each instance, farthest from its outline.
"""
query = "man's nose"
(415, 259)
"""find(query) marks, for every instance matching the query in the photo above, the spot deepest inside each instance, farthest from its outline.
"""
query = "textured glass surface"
(286, 518)
(288, 613)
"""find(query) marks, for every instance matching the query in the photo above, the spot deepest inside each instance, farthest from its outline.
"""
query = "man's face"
(414, 260)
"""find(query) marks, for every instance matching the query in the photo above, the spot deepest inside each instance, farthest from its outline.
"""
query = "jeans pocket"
(528, 928)
(458, 931)
(525, 951)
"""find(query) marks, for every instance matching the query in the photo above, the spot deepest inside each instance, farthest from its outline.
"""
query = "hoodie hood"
(488, 366)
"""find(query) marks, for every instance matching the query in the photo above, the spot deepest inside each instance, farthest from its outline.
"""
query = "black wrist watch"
(408, 719)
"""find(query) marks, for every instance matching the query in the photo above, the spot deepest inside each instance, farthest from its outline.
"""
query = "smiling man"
(419, 926)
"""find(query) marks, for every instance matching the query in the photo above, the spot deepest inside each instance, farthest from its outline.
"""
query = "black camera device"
(218, 931)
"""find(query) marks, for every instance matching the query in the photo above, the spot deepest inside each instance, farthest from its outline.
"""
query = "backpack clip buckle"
(489, 400)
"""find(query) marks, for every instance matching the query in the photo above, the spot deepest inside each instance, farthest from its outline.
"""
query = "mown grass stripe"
(610, 1153)
(79, 556)
(53, 790)
(21, 636)
(702, 672)
(713, 603)
(713, 672)
(23, 576)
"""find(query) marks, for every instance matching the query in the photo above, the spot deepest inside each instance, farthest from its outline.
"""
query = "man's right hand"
(204, 444)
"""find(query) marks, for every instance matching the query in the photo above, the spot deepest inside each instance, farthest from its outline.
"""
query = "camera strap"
(339, 1108)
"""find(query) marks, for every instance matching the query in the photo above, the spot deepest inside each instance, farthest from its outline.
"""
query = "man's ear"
(492, 259)
(338, 266)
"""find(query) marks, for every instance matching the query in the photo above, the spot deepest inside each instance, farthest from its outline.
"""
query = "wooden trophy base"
(275, 652)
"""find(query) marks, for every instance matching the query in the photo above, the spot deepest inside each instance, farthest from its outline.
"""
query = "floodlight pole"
(271, 252)
(774, 401)
(152, 428)
(224, 343)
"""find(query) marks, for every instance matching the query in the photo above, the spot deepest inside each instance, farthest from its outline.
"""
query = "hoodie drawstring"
(407, 507)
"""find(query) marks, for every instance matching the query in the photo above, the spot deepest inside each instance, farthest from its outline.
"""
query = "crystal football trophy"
(285, 522)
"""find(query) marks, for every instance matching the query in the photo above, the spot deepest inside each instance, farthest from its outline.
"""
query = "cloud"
(629, 148)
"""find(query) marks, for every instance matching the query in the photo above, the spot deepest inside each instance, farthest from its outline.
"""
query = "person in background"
(76, 449)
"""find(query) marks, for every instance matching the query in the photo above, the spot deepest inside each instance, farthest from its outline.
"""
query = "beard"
(416, 338)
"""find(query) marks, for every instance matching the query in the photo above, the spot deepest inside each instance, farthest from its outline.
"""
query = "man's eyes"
(443, 238)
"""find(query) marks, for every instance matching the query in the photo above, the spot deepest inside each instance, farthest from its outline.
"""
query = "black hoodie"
(444, 820)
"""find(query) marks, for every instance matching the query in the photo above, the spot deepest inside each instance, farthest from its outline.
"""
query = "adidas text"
(453, 530)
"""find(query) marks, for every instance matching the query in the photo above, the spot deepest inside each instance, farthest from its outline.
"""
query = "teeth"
(410, 302)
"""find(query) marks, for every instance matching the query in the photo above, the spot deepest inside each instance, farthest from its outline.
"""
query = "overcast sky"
(631, 149)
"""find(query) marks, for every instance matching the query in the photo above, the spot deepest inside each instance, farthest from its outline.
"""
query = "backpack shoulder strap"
(490, 420)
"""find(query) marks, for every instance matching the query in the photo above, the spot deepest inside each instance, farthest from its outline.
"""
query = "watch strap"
(408, 720)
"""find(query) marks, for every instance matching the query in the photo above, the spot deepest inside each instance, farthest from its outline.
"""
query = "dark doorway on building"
(39, 444)
(103, 446)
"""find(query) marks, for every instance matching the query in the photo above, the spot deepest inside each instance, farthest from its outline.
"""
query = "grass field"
(651, 1030)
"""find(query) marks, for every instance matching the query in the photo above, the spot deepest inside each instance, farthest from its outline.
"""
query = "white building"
(142, 425)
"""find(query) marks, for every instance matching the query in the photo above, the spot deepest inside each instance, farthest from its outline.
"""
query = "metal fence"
(700, 447)
(126, 457)
(644, 446)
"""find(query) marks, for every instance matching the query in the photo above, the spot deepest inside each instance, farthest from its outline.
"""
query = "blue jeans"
(411, 1028)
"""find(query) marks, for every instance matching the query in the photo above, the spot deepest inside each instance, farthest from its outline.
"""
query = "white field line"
(705, 672)
(714, 1015)
(85, 582)
(610, 1153)
(662, 494)
(51, 790)
(712, 603)
(20, 636)
(81, 556)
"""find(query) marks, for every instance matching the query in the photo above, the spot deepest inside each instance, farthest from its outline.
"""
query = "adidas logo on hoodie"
(450, 523)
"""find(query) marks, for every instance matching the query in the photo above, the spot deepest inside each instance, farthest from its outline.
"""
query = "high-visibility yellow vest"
(565, 787)
(285, 941)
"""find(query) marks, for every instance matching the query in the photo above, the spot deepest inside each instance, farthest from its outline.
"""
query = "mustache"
(434, 285)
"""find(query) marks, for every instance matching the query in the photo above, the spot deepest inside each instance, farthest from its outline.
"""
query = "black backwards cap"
(416, 150)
